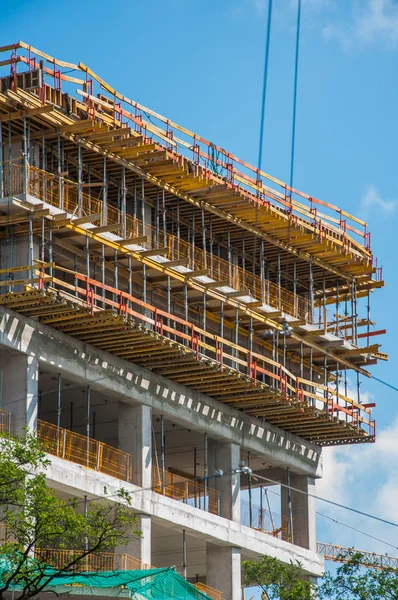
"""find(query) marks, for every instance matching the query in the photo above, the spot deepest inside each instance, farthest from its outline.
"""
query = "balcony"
(265, 520)
(103, 458)
(96, 562)
(186, 490)
(84, 451)
(105, 562)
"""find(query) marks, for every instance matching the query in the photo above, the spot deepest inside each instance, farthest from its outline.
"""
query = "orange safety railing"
(259, 367)
(85, 451)
(64, 194)
(98, 561)
(5, 422)
(209, 591)
(186, 490)
(208, 160)
(214, 163)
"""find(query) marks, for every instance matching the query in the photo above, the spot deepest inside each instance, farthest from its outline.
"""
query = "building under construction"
(174, 321)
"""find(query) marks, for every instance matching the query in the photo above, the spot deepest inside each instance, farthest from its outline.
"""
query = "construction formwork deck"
(135, 195)
(188, 167)
(166, 256)
(127, 327)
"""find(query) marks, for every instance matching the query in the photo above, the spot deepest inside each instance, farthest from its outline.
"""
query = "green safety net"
(150, 584)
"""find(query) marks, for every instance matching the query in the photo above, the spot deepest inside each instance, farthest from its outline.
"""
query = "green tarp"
(151, 584)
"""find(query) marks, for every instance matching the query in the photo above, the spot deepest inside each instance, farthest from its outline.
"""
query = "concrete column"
(223, 570)
(303, 510)
(20, 390)
(135, 437)
(225, 456)
(139, 546)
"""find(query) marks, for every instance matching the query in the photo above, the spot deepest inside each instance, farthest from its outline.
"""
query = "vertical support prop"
(32, 277)
(205, 471)
(311, 293)
(184, 553)
(289, 499)
(59, 414)
(262, 274)
(79, 181)
(105, 196)
(1, 162)
(162, 453)
(123, 201)
(88, 423)
(249, 464)
(195, 462)
(143, 233)
(50, 247)
(25, 157)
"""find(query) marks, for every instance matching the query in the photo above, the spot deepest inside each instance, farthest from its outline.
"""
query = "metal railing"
(209, 161)
(5, 422)
(64, 194)
(225, 353)
(104, 561)
(85, 451)
(95, 562)
(186, 490)
(209, 591)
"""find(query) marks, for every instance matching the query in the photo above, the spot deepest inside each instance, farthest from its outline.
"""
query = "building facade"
(174, 322)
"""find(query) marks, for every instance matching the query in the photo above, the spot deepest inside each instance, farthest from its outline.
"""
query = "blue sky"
(201, 64)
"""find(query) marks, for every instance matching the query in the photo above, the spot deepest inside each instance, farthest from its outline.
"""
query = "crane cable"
(385, 383)
(295, 93)
(265, 78)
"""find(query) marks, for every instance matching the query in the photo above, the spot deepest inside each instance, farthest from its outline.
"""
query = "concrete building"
(175, 323)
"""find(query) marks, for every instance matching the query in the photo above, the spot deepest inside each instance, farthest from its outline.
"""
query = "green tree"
(278, 580)
(354, 582)
(34, 519)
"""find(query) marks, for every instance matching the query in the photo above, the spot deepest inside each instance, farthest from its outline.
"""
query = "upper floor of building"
(182, 260)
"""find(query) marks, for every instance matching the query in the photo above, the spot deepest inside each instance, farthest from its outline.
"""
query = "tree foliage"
(353, 582)
(278, 580)
(33, 519)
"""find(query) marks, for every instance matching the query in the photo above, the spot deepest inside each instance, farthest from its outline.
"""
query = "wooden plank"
(20, 114)
(89, 219)
(61, 63)
(154, 252)
(216, 284)
(134, 240)
(94, 184)
(20, 217)
(14, 60)
(199, 273)
(106, 228)
(182, 262)
(236, 294)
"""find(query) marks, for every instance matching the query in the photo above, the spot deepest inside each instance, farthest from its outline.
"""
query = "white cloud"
(364, 477)
(373, 21)
(258, 5)
(380, 20)
(371, 200)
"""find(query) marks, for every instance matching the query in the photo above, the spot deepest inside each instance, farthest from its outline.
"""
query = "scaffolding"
(152, 243)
